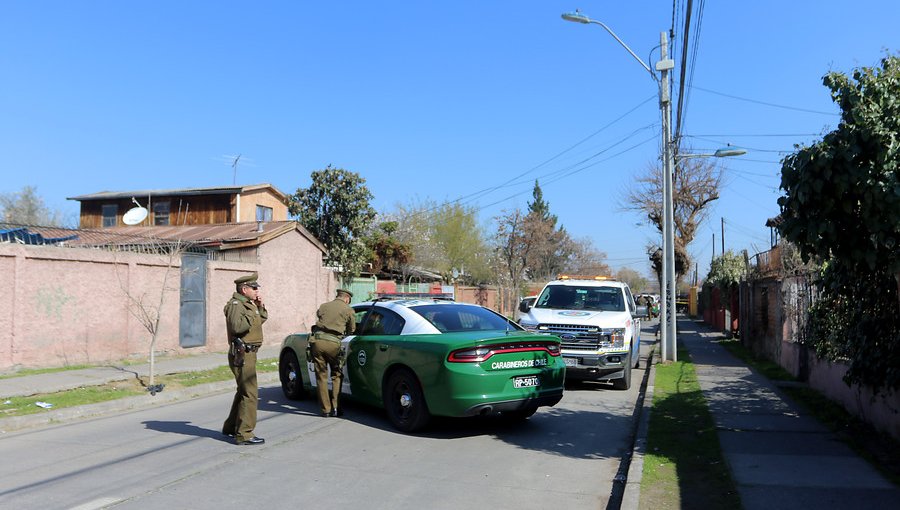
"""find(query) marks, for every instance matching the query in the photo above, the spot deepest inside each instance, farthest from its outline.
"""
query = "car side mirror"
(523, 307)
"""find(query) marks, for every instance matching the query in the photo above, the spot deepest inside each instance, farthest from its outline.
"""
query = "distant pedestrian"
(245, 314)
(335, 319)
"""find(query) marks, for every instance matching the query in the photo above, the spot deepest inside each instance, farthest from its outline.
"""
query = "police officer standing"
(335, 319)
(244, 317)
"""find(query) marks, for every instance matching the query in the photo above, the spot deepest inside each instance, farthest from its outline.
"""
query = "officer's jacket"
(244, 319)
(336, 317)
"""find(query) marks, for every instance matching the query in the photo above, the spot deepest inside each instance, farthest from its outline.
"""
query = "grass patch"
(37, 371)
(20, 406)
(683, 465)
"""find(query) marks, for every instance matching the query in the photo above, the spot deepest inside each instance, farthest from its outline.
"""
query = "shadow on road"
(185, 428)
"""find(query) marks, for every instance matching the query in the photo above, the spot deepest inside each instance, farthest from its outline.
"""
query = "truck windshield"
(574, 297)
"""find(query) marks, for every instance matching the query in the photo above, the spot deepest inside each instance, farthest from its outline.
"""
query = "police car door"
(370, 353)
(346, 385)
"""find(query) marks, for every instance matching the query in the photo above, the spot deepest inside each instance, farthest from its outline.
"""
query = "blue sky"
(427, 100)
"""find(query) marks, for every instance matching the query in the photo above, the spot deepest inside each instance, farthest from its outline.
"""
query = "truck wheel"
(625, 382)
(405, 402)
(291, 378)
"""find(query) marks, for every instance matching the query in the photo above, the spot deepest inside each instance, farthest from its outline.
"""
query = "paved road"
(173, 456)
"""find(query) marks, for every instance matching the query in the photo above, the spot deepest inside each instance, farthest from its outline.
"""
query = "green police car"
(423, 357)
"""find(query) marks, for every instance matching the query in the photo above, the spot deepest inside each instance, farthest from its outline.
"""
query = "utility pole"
(669, 342)
(723, 235)
(714, 248)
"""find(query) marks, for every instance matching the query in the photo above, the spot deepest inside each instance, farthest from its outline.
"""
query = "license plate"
(526, 382)
(571, 362)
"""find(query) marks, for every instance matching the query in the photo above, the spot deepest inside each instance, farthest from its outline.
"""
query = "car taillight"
(479, 354)
(469, 355)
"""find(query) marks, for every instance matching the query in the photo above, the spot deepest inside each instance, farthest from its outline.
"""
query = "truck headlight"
(617, 338)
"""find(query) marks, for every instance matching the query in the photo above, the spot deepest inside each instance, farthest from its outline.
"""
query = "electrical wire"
(774, 105)
(511, 182)
(577, 170)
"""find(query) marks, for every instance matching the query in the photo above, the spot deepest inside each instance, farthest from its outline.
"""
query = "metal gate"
(192, 320)
(363, 289)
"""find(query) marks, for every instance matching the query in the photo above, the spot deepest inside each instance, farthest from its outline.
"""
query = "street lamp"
(670, 350)
(665, 64)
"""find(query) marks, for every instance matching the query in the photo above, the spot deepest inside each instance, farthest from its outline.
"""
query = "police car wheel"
(291, 378)
(404, 402)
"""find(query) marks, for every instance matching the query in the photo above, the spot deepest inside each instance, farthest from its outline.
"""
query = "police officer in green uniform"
(335, 319)
(244, 317)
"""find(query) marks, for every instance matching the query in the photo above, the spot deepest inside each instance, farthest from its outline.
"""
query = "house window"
(109, 211)
(161, 213)
(263, 213)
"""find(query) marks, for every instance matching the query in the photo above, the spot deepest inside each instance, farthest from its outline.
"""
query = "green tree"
(335, 208)
(461, 242)
(386, 251)
(27, 208)
(726, 270)
(540, 207)
(445, 238)
(841, 204)
(552, 246)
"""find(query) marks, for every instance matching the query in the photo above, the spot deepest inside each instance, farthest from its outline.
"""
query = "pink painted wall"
(68, 305)
(827, 378)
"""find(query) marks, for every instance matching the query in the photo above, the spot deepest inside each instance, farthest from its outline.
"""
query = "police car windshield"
(450, 318)
(575, 297)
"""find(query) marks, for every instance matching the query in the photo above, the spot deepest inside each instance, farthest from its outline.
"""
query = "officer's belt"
(252, 347)
(327, 336)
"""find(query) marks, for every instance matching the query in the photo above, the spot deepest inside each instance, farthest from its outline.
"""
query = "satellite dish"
(135, 215)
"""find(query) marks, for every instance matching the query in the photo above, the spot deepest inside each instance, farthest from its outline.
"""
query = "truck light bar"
(584, 277)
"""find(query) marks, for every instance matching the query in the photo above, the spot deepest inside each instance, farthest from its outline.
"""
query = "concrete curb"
(69, 414)
(631, 497)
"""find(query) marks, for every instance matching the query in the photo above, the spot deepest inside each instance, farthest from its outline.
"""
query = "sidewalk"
(779, 456)
(70, 379)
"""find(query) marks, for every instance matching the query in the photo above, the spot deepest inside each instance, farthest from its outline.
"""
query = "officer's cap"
(249, 280)
(344, 291)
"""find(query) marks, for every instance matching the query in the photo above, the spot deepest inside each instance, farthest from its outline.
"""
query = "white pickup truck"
(598, 322)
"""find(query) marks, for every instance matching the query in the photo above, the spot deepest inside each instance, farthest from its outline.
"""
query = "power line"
(752, 173)
(573, 171)
(755, 135)
(754, 149)
(511, 182)
(766, 103)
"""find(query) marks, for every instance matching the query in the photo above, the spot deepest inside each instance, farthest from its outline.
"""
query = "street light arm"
(577, 17)
(645, 66)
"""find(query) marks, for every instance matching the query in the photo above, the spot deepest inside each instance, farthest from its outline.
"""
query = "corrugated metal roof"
(225, 236)
(217, 190)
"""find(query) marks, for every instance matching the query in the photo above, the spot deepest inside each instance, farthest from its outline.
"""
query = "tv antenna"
(135, 215)
(234, 167)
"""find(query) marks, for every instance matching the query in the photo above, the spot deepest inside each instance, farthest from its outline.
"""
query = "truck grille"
(577, 337)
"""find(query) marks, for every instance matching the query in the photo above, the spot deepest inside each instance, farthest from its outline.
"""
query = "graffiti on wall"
(51, 301)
